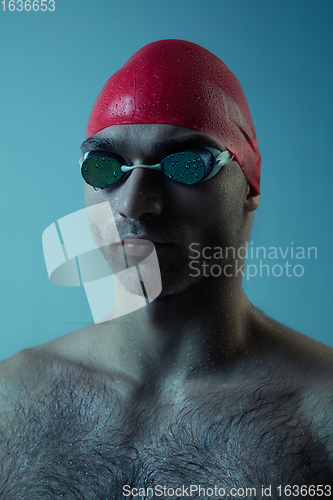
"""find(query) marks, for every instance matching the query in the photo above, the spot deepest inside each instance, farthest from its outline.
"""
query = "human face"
(170, 214)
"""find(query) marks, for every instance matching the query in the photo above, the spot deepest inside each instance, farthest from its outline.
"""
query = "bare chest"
(82, 441)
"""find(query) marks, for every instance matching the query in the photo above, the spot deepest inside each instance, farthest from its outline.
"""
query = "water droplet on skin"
(97, 165)
(85, 169)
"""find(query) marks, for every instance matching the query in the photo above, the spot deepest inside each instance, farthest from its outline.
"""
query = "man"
(198, 393)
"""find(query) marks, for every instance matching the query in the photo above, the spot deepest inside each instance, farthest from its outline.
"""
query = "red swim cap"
(180, 83)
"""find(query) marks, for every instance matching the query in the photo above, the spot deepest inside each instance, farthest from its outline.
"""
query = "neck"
(199, 330)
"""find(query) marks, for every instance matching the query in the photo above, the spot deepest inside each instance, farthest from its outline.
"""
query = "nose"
(141, 195)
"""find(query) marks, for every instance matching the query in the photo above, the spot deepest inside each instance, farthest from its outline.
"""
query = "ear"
(252, 199)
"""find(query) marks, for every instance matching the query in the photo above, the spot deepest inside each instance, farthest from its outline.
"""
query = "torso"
(76, 434)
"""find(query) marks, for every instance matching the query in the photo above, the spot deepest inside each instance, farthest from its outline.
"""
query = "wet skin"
(208, 213)
(199, 369)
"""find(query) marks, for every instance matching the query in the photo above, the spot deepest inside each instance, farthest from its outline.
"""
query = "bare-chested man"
(198, 394)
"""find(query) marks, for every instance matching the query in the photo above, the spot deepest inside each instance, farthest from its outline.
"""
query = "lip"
(147, 237)
(142, 245)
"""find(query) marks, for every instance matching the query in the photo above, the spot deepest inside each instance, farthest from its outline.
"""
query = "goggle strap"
(125, 168)
(84, 157)
(221, 159)
(224, 158)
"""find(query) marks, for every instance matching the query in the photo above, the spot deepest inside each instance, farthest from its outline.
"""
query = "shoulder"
(291, 350)
(72, 359)
(306, 366)
(21, 373)
(28, 367)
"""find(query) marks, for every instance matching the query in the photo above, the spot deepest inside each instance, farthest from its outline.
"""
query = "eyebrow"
(103, 143)
(160, 147)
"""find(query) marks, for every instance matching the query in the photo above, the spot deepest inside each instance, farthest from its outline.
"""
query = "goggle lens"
(101, 171)
(186, 167)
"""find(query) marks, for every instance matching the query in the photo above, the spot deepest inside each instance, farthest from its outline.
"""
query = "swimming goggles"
(102, 169)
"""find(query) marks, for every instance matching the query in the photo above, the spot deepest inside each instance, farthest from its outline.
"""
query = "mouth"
(138, 247)
(142, 246)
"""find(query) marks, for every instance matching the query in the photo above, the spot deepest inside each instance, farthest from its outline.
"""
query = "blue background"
(53, 65)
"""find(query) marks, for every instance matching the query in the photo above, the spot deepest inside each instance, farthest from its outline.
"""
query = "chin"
(176, 281)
